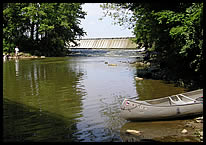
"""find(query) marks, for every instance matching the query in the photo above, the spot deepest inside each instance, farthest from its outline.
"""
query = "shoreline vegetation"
(42, 29)
(172, 36)
(149, 68)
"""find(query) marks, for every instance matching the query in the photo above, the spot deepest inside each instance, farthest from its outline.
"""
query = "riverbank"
(191, 131)
(42, 75)
(153, 70)
(183, 130)
(21, 55)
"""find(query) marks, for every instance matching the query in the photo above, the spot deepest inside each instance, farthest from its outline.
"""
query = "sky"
(96, 28)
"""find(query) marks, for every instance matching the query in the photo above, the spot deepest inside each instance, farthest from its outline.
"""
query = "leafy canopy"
(41, 28)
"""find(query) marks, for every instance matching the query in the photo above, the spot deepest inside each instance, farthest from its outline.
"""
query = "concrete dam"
(104, 43)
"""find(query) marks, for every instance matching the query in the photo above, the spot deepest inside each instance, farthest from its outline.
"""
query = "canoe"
(170, 107)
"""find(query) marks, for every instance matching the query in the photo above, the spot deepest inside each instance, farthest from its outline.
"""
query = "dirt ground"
(185, 130)
(193, 132)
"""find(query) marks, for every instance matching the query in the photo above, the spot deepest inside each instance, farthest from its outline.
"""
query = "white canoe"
(180, 105)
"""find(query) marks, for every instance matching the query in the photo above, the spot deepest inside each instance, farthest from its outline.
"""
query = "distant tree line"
(41, 28)
(171, 32)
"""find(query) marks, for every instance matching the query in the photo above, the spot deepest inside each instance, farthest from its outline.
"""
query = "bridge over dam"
(104, 43)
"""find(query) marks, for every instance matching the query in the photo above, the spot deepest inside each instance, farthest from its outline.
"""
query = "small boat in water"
(175, 106)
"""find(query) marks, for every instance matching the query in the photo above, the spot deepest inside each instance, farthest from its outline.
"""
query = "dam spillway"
(104, 43)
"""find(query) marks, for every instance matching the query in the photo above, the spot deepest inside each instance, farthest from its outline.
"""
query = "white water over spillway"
(104, 43)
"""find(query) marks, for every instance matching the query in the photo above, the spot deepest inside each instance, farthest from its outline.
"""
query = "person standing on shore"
(16, 51)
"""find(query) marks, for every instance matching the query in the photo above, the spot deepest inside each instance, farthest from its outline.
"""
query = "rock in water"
(135, 132)
(184, 131)
(112, 64)
(199, 119)
(138, 78)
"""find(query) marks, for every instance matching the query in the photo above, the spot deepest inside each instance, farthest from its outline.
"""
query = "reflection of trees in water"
(45, 84)
(47, 96)
(152, 89)
(25, 123)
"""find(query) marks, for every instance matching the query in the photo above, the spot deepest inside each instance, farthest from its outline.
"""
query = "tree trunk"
(37, 32)
(32, 31)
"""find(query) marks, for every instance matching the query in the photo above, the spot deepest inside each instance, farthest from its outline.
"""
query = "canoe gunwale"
(146, 102)
(142, 110)
(152, 105)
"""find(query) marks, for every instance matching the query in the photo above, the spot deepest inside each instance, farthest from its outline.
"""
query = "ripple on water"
(72, 98)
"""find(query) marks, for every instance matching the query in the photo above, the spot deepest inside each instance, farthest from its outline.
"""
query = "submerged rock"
(199, 119)
(184, 131)
(201, 133)
(141, 64)
(112, 64)
(135, 132)
(138, 78)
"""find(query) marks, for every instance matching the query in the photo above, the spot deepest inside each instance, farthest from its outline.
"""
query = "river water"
(75, 98)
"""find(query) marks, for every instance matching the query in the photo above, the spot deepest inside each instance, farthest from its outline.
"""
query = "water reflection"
(17, 67)
(148, 89)
(105, 52)
(71, 98)
(33, 125)
(104, 92)
(46, 86)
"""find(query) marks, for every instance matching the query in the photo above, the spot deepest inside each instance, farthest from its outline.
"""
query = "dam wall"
(104, 43)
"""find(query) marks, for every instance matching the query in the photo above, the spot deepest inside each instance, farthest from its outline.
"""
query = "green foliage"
(41, 28)
(174, 31)
(120, 14)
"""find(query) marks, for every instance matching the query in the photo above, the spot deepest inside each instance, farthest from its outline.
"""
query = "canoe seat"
(178, 101)
(188, 98)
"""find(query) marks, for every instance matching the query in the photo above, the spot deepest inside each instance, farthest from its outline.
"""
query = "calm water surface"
(71, 98)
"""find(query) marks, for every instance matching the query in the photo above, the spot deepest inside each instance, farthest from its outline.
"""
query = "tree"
(41, 28)
(12, 29)
(174, 31)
